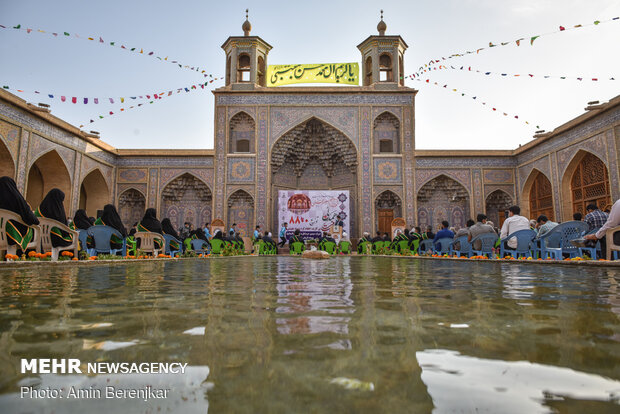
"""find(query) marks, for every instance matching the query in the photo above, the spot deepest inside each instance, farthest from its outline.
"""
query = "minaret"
(383, 59)
(246, 59)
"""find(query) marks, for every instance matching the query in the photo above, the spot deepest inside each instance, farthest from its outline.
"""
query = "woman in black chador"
(81, 221)
(150, 223)
(110, 217)
(12, 200)
(52, 208)
(168, 229)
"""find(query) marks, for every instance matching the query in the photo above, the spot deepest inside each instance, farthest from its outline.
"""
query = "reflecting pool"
(349, 334)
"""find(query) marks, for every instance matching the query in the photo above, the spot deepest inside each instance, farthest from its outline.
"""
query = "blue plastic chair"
(465, 247)
(557, 243)
(167, 239)
(101, 237)
(200, 246)
(524, 243)
(592, 251)
(444, 245)
(487, 243)
(83, 238)
(425, 246)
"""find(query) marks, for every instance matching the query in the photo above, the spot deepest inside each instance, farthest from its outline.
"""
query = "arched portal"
(588, 181)
(7, 164)
(495, 204)
(539, 195)
(186, 198)
(388, 206)
(315, 156)
(443, 198)
(47, 172)
(131, 205)
(241, 211)
(94, 193)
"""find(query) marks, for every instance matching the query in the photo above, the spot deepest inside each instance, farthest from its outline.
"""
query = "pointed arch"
(495, 204)
(443, 198)
(537, 196)
(131, 206)
(47, 172)
(7, 163)
(241, 211)
(388, 206)
(585, 181)
(242, 133)
(94, 192)
(186, 198)
(386, 133)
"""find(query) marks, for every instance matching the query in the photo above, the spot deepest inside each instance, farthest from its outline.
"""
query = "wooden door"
(385, 220)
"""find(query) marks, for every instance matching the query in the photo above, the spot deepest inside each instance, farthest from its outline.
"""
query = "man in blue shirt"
(445, 232)
(257, 233)
(282, 235)
(209, 235)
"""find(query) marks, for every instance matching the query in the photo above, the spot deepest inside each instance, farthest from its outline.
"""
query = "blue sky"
(310, 32)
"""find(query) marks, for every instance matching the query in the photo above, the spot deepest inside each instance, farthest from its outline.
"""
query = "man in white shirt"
(513, 223)
(612, 221)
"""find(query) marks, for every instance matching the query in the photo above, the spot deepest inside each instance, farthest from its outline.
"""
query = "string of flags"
(475, 98)
(87, 100)
(524, 75)
(159, 96)
(99, 40)
(525, 39)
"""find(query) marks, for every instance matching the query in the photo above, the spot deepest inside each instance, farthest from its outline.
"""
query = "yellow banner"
(343, 73)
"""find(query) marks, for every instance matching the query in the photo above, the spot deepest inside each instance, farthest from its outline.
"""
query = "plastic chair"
(444, 245)
(5, 247)
(524, 243)
(329, 247)
(403, 246)
(426, 246)
(200, 246)
(344, 247)
(101, 236)
(83, 239)
(387, 245)
(364, 247)
(377, 247)
(297, 248)
(465, 247)
(487, 243)
(217, 246)
(167, 239)
(557, 243)
(47, 225)
(611, 246)
(146, 239)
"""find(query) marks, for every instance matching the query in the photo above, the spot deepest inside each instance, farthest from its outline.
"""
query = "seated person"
(150, 223)
(110, 218)
(12, 200)
(480, 227)
(295, 238)
(80, 221)
(268, 240)
(544, 225)
(52, 207)
(365, 239)
(377, 238)
(166, 227)
(445, 232)
(428, 234)
(186, 231)
(463, 231)
(601, 235)
(386, 237)
(345, 243)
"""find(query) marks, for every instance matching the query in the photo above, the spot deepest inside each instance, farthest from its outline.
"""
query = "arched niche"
(7, 164)
(443, 198)
(388, 206)
(585, 181)
(94, 193)
(386, 134)
(496, 204)
(537, 197)
(186, 198)
(241, 136)
(241, 211)
(47, 172)
(131, 207)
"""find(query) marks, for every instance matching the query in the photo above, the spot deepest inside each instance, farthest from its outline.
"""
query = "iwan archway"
(315, 156)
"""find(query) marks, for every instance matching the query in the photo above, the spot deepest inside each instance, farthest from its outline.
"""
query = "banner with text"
(343, 73)
(313, 211)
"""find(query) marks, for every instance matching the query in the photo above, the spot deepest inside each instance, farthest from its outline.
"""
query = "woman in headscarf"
(80, 221)
(52, 208)
(168, 229)
(110, 217)
(150, 223)
(12, 200)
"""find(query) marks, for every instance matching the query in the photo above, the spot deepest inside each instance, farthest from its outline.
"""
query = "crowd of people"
(20, 233)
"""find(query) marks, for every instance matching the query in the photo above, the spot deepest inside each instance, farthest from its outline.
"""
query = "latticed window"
(590, 184)
(541, 198)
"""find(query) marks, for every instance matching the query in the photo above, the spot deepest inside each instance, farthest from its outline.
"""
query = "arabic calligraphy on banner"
(344, 73)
